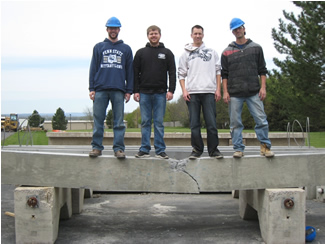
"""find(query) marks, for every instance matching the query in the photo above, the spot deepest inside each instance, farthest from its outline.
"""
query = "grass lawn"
(317, 139)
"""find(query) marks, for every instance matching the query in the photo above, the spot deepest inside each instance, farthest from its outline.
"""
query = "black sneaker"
(162, 155)
(141, 154)
(195, 155)
(216, 154)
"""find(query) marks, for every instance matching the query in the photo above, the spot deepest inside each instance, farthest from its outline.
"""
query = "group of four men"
(151, 76)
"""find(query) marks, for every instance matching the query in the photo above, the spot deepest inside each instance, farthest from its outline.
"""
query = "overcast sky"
(46, 46)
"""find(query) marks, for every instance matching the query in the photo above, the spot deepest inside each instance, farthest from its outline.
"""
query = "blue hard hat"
(310, 233)
(235, 23)
(113, 22)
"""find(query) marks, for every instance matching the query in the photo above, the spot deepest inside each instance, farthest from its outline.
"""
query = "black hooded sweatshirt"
(152, 66)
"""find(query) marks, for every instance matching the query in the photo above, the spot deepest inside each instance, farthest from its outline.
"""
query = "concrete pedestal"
(281, 213)
(39, 209)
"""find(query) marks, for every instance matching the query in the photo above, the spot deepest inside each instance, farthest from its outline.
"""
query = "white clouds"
(68, 30)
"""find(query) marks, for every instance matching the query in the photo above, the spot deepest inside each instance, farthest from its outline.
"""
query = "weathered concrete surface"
(256, 172)
(157, 175)
(102, 173)
(40, 223)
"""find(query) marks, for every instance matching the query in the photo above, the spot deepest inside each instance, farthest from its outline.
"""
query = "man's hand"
(262, 94)
(217, 95)
(127, 97)
(186, 95)
(169, 96)
(226, 97)
(136, 97)
(92, 95)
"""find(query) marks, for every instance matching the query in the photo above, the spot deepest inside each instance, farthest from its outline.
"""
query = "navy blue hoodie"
(111, 67)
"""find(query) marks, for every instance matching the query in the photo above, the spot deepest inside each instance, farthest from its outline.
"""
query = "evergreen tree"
(109, 119)
(299, 88)
(35, 120)
(59, 121)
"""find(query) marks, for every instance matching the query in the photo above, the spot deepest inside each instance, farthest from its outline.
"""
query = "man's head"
(154, 34)
(113, 28)
(197, 35)
(237, 27)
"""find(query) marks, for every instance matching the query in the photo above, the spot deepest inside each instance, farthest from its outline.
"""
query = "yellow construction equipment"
(10, 123)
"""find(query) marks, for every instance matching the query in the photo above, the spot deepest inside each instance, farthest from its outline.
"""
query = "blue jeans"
(207, 102)
(152, 106)
(100, 104)
(256, 108)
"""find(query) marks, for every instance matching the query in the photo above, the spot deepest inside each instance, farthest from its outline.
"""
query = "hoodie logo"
(202, 54)
(161, 56)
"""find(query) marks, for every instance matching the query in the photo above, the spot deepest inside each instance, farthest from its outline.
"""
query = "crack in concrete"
(180, 166)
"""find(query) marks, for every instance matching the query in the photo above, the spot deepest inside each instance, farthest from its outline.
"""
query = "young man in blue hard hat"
(244, 80)
(152, 65)
(200, 80)
(110, 80)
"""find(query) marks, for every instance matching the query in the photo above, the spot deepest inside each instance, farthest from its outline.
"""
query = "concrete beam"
(106, 173)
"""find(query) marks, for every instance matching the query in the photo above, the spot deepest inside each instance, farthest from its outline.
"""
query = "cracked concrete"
(176, 175)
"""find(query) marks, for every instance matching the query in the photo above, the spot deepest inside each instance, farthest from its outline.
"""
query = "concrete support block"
(235, 193)
(281, 213)
(88, 193)
(37, 213)
(77, 200)
(65, 202)
(246, 205)
(310, 192)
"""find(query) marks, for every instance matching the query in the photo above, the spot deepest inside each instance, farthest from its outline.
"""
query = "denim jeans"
(256, 108)
(207, 102)
(152, 106)
(100, 104)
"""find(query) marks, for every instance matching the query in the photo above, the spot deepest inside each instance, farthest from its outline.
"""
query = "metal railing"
(291, 131)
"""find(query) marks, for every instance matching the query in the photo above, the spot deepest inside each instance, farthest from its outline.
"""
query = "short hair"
(153, 28)
(197, 27)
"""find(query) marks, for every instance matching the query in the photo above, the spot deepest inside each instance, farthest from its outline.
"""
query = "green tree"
(109, 119)
(298, 89)
(59, 121)
(35, 120)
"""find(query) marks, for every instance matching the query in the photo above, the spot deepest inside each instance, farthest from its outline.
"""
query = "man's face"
(113, 32)
(239, 32)
(154, 37)
(197, 36)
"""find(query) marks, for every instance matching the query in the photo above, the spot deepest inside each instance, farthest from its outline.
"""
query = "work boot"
(238, 154)
(265, 151)
(95, 153)
(119, 154)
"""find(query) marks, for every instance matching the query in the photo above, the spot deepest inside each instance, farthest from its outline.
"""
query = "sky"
(46, 46)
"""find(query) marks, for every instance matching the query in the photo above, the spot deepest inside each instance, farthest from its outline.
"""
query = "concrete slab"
(158, 219)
